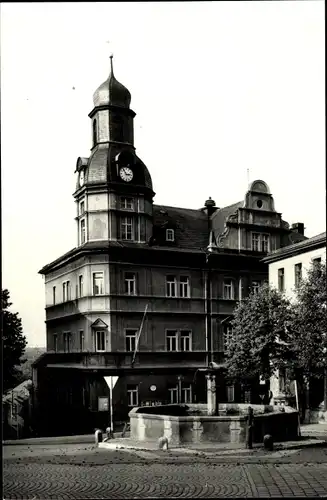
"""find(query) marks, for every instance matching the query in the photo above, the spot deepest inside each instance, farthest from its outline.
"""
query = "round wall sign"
(153, 388)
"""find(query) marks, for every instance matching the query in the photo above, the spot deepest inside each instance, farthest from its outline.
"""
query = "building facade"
(148, 292)
(287, 266)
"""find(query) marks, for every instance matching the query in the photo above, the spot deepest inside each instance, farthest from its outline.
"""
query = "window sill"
(176, 297)
(167, 350)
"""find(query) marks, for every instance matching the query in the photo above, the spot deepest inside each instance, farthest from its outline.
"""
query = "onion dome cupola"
(112, 118)
(112, 92)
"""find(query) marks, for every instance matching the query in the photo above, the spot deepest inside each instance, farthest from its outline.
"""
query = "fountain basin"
(183, 424)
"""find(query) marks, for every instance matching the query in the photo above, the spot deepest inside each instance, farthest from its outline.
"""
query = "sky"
(225, 93)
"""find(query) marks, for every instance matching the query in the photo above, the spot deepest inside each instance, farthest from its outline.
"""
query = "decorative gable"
(258, 197)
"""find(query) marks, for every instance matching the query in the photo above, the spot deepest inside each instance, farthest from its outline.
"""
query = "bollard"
(98, 436)
(249, 434)
(163, 443)
(109, 433)
(268, 442)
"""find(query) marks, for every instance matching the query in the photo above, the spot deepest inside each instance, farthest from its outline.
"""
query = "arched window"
(94, 132)
(118, 128)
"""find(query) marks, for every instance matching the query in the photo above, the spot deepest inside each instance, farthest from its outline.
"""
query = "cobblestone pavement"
(84, 472)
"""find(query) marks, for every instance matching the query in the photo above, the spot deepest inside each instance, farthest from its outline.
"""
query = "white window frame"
(80, 285)
(81, 341)
(297, 274)
(184, 287)
(67, 341)
(281, 274)
(255, 242)
(171, 286)
(260, 242)
(126, 203)
(170, 235)
(229, 289)
(127, 228)
(82, 230)
(132, 396)
(98, 340)
(171, 336)
(185, 340)
(186, 393)
(228, 334)
(66, 291)
(130, 283)
(130, 339)
(94, 285)
(265, 242)
(82, 207)
(173, 394)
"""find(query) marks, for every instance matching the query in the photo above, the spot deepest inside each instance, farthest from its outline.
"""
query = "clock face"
(81, 178)
(126, 174)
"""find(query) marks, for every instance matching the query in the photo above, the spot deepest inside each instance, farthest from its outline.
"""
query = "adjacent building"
(17, 411)
(287, 266)
(172, 274)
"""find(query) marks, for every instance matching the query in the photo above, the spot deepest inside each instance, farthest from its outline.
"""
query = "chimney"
(298, 227)
(210, 206)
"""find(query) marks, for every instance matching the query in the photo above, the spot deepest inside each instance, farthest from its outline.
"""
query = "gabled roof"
(317, 241)
(19, 393)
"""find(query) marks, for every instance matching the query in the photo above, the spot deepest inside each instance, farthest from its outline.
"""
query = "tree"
(310, 322)
(261, 332)
(13, 342)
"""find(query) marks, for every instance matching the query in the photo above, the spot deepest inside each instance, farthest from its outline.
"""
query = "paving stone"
(88, 472)
(34, 480)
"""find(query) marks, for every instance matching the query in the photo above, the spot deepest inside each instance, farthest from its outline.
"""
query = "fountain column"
(211, 393)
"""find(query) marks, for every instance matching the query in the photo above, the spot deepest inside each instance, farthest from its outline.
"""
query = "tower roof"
(112, 92)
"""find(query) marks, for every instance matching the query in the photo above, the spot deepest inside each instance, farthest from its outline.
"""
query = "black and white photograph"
(164, 300)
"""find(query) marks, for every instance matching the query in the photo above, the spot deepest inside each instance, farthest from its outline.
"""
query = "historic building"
(175, 273)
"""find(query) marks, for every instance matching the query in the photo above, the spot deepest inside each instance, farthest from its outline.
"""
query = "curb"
(314, 443)
(60, 440)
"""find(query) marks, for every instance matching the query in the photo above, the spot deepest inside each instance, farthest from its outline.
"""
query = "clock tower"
(114, 195)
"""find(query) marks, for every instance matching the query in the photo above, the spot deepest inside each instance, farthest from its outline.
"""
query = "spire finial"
(111, 63)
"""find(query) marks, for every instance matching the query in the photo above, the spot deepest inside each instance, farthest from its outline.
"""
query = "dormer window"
(170, 235)
(94, 132)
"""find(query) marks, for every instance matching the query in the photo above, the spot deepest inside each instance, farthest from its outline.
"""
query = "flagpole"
(111, 409)
(139, 334)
